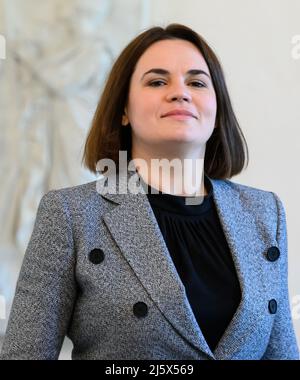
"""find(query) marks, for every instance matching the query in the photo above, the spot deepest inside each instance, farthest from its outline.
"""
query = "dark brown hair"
(226, 150)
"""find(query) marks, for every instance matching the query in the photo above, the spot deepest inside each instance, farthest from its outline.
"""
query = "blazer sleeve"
(45, 292)
(282, 343)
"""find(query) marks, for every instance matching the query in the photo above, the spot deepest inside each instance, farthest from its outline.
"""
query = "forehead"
(171, 55)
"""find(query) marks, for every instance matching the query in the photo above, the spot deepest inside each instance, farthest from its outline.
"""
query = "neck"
(182, 176)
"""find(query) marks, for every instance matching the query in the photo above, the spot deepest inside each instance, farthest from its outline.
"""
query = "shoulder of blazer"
(74, 196)
(78, 191)
(248, 197)
(73, 205)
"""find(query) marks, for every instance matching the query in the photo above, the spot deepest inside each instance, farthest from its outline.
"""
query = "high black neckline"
(179, 204)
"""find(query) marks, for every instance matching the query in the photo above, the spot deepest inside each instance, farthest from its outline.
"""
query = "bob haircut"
(226, 150)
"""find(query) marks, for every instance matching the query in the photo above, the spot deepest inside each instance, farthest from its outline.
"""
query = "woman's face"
(182, 83)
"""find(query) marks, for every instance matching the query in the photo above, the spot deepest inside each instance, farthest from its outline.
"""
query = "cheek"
(142, 107)
(209, 106)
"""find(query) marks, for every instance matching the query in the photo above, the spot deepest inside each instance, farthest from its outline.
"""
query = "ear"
(125, 120)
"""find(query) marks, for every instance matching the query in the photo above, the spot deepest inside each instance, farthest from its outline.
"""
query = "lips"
(179, 112)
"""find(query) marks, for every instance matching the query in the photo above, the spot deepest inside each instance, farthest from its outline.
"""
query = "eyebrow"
(167, 73)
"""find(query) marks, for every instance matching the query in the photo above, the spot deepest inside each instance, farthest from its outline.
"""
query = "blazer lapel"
(247, 243)
(133, 226)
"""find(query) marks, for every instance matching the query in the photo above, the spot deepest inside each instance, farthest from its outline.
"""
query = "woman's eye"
(156, 83)
(198, 84)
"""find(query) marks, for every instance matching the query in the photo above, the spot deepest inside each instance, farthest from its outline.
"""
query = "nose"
(179, 93)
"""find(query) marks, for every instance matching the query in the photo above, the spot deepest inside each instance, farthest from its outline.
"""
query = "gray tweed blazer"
(97, 269)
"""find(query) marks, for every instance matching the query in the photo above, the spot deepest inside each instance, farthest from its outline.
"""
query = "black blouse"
(199, 250)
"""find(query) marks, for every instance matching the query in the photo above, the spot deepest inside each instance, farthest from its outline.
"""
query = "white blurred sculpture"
(58, 56)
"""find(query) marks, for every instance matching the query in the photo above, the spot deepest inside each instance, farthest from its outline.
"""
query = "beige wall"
(253, 41)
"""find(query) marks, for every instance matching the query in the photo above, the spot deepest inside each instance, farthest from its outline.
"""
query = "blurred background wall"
(58, 54)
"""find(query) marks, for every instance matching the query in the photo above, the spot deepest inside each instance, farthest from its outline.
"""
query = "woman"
(197, 271)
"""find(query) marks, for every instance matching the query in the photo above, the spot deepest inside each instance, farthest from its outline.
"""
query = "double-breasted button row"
(140, 309)
(273, 253)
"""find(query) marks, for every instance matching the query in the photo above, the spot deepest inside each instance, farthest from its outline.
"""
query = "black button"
(272, 306)
(96, 256)
(140, 309)
(273, 253)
